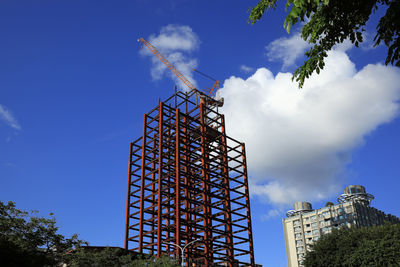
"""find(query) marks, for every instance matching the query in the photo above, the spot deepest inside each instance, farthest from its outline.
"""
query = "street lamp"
(183, 249)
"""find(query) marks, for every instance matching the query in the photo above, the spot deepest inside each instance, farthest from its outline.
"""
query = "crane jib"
(181, 77)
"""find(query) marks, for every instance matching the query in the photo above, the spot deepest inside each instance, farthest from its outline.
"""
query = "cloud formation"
(246, 69)
(8, 118)
(299, 141)
(176, 43)
(287, 50)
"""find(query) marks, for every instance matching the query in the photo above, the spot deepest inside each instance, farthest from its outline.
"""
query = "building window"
(316, 238)
(313, 218)
(325, 223)
(315, 232)
(298, 236)
(297, 229)
(308, 233)
(313, 225)
(296, 223)
(299, 243)
(300, 249)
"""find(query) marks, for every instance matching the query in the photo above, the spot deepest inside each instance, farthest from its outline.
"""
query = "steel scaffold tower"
(187, 180)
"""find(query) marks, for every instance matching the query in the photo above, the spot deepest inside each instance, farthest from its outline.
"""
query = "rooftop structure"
(304, 225)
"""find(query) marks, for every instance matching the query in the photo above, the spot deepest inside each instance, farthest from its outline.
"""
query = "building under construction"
(187, 183)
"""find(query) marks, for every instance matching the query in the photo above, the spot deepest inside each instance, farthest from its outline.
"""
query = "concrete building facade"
(304, 225)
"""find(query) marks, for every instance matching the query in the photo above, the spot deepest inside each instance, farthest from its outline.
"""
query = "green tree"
(29, 240)
(83, 257)
(329, 22)
(113, 257)
(375, 246)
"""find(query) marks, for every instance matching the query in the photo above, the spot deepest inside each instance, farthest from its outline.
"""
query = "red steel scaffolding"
(187, 181)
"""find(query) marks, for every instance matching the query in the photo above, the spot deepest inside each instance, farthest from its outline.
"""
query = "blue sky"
(74, 86)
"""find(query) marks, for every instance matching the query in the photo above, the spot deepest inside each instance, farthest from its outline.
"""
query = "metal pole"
(182, 257)
(183, 249)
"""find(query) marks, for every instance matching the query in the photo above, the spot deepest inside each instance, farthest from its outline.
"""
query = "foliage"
(28, 240)
(369, 246)
(153, 262)
(104, 257)
(113, 257)
(329, 22)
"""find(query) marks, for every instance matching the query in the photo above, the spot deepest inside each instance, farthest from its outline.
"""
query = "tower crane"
(205, 98)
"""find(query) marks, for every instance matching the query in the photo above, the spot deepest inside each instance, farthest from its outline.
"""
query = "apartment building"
(304, 225)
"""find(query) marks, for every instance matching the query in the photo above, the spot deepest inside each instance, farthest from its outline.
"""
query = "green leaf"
(332, 22)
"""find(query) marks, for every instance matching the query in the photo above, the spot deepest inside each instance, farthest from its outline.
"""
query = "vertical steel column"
(168, 169)
(128, 197)
(177, 183)
(142, 184)
(228, 216)
(246, 188)
(153, 190)
(188, 217)
(160, 167)
(206, 190)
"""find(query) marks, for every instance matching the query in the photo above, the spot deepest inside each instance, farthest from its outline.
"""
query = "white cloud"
(176, 43)
(299, 141)
(246, 69)
(8, 118)
(287, 50)
(344, 46)
(271, 214)
(366, 45)
(175, 37)
(368, 41)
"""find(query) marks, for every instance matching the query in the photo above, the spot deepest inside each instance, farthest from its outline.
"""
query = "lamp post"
(183, 249)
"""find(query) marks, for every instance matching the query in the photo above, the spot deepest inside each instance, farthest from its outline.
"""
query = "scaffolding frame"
(187, 180)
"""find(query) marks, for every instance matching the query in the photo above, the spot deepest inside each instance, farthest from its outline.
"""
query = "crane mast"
(206, 98)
